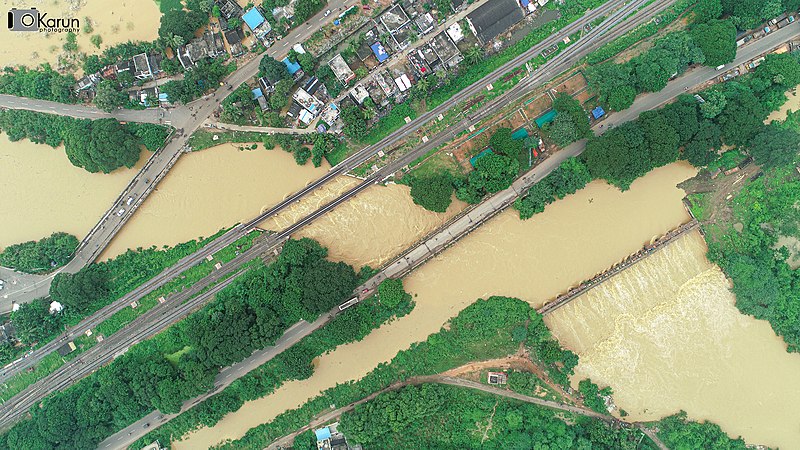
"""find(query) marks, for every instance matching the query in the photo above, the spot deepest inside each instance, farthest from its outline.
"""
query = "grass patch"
(174, 357)
(19, 382)
(202, 139)
(168, 5)
(698, 204)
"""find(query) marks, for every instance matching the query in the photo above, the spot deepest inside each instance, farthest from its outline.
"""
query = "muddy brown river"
(116, 21)
(534, 260)
(666, 336)
(42, 192)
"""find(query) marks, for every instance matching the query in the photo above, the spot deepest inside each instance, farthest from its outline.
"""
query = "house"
(330, 438)
(109, 72)
(234, 38)
(403, 82)
(330, 114)
(294, 110)
(417, 60)
(599, 112)
(493, 18)
(359, 93)
(307, 101)
(257, 23)
(385, 82)
(445, 49)
(379, 51)
(340, 68)
(312, 86)
(141, 67)
(430, 57)
(265, 85)
(292, 67)
(425, 23)
(394, 18)
(155, 61)
(86, 82)
(229, 9)
(455, 33)
(123, 66)
(66, 349)
(497, 378)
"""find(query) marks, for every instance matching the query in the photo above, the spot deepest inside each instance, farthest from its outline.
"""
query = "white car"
(130, 200)
(327, 13)
(121, 212)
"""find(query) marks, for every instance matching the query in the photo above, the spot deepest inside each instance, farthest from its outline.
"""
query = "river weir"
(666, 336)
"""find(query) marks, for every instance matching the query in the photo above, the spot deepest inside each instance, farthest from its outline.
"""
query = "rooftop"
(253, 18)
(494, 17)
(394, 18)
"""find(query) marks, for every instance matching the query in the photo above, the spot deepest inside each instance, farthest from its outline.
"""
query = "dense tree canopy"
(205, 75)
(355, 125)
(33, 321)
(82, 289)
(391, 292)
(433, 192)
(717, 40)
(570, 124)
(775, 146)
(42, 83)
(272, 69)
(108, 96)
(40, 256)
(566, 179)
(178, 22)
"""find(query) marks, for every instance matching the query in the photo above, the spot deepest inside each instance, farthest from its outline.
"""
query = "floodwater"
(370, 229)
(535, 260)
(209, 190)
(115, 21)
(792, 104)
(666, 336)
(42, 192)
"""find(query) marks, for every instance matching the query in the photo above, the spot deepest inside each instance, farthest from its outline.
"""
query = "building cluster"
(405, 44)
(219, 39)
(330, 438)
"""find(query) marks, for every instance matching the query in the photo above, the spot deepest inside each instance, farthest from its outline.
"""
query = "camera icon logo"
(23, 19)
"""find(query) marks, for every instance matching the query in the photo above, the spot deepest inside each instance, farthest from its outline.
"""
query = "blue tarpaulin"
(598, 112)
(379, 51)
(257, 93)
(293, 67)
(253, 18)
(323, 433)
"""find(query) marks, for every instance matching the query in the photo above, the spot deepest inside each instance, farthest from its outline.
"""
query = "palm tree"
(474, 55)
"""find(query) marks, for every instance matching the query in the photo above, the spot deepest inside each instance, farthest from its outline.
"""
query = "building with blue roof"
(253, 18)
(598, 112)
(379, 51)
(323, 433)
(257, 92)
(292, 66)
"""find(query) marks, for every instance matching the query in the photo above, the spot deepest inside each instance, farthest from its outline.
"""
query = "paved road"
(266, 245)
(386, 171)
(228, 375)
(187, 118)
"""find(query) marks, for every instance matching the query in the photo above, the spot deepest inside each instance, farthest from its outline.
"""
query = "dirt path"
(453, 381)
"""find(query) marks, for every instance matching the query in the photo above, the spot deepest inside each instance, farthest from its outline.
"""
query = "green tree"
(433, 192)
(273, 69)
(102, 145)
(570, 124)
(178, 22)
(355, 125)
(391, 292)
(96, 40)
(109, 97)
(715, 102)
(34, 323)
(502, 142)
(81, 290)
(706, 10)
(717, 40)
(493, 173)
(40, 256)
(775, 146)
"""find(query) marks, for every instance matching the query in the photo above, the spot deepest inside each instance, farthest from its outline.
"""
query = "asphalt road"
(69, 372)
(187, 118)
(569, 54)
(105, 230)
(752, 49)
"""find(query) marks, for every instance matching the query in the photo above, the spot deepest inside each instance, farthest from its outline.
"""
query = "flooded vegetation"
(114, 21)
(533, 260)
(210, 190)
(666, 336)
(43, 192)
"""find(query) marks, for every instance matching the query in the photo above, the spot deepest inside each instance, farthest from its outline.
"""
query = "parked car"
(121, 212)
(129, 201)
